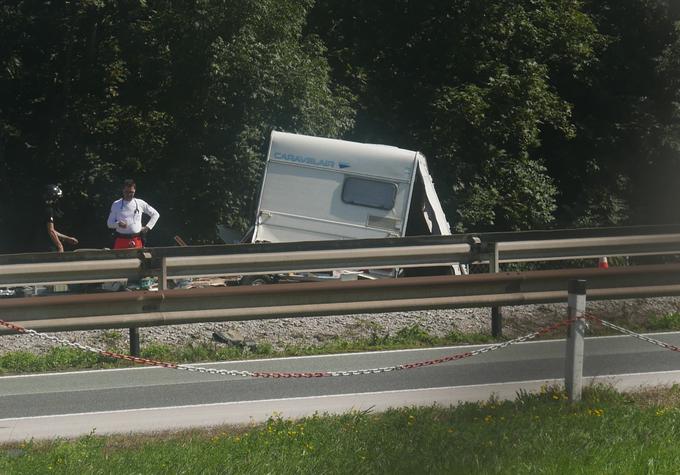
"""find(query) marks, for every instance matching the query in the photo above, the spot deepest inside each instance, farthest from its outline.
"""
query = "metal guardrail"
(583, 248)
(308, 261)
(486, 239)
(13, 275)
(138, 309)
(204, 261)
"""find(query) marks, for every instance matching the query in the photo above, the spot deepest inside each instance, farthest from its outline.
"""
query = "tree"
(470, 84)
(179, 95)
(620, 167)
(257, 73)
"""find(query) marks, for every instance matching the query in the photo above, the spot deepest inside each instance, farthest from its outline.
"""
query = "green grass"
(66, 358)
(607, 433)
(56, 359)
(670, 322)
(651, 323)
(413, 336)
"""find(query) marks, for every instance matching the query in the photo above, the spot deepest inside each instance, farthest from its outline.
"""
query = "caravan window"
(371, 193)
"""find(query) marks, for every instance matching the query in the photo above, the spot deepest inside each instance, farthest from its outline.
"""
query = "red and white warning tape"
(625, 331)
(261, 374)
(318, 374)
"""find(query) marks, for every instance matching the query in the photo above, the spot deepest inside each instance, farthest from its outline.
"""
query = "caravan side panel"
(303, 203)
(302, 193)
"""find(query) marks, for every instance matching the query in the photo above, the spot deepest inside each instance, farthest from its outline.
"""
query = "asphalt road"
(152, 399)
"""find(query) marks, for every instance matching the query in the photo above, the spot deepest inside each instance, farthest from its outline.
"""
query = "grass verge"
(607, 433)
(414, 336)
(66, 358)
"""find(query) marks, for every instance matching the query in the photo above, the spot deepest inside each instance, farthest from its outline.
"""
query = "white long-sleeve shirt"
(130, 213)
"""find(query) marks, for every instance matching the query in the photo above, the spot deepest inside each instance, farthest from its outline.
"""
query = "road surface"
(156, 399)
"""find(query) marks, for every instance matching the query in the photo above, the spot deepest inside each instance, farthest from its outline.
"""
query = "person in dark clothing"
(55, 240)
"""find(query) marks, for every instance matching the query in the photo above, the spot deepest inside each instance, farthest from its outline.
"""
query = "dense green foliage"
(469, 83)
(533, 113)
(607, 433)
(179, 95)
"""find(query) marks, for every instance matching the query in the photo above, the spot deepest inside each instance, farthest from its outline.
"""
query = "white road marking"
(253, 412)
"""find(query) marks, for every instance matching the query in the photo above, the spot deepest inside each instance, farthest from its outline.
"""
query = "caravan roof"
(382, 161)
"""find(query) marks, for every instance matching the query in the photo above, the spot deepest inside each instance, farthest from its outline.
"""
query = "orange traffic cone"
(602, 263)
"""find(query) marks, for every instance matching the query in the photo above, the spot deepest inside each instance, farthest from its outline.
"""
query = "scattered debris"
(234, 338)
(201, 282)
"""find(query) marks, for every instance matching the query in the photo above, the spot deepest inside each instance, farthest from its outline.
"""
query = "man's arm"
(57, 237)
(68, 239)
(54, 236)
(153, 215)
(112, 222)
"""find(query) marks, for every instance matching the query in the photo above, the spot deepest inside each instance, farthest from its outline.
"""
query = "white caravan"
(319, 189)
(326, 189)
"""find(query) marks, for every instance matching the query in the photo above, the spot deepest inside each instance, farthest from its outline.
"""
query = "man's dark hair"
(52, 193)
(129, 182)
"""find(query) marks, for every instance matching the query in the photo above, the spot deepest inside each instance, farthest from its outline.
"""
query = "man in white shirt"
(126, 218)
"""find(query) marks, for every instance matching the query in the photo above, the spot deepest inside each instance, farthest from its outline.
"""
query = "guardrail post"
(496, 312)
(163, 277)
(134, 341)
(573, 376)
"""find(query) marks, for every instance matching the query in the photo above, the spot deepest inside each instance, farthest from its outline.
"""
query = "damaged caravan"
(317, 189)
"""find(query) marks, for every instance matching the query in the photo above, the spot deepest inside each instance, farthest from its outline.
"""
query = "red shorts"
(128, 243)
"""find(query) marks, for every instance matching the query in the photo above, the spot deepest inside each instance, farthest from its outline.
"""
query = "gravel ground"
(518, 320)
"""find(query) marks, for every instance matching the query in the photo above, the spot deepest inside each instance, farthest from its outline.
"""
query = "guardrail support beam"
(496, 312)
(171, 307)
(163, 277)
(573, 377)
(134, 341)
